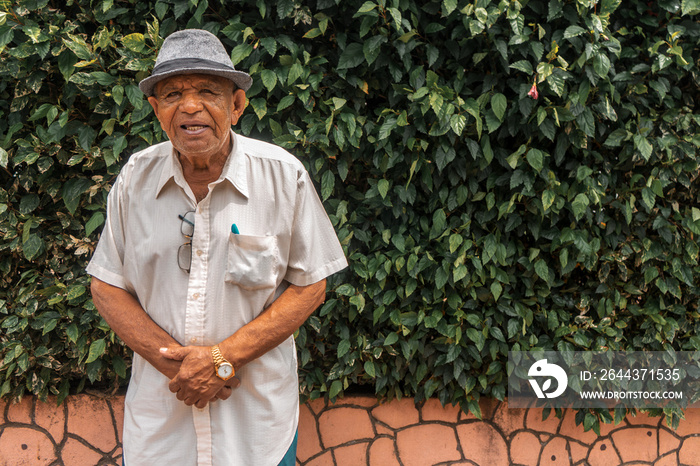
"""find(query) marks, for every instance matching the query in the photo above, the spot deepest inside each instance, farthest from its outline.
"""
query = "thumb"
(176, 353)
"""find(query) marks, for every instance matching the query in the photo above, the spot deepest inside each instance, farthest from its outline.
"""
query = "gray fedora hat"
(193, 51)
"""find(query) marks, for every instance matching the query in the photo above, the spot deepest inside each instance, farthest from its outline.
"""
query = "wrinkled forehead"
(196, 80)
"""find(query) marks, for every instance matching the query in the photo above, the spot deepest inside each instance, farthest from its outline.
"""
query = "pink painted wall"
(356, 431)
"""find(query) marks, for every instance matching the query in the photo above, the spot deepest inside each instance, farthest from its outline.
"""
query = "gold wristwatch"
(224, 369)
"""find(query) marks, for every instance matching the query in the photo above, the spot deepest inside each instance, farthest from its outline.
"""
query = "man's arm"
(196, 380)
(130, 322)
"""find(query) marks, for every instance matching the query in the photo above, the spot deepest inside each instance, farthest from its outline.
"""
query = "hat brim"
(241, 79)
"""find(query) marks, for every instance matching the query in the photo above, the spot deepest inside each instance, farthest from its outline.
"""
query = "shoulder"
(143, 163)
(142, 171)
(150, 155)
(265, 152)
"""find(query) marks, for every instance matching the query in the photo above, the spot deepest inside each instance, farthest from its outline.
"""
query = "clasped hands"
(196, 383)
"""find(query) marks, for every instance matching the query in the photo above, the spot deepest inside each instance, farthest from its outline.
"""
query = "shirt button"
(193, 340)
(199, 252)
(195, 296)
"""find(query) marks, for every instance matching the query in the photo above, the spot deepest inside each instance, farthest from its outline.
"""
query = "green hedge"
(502, 175)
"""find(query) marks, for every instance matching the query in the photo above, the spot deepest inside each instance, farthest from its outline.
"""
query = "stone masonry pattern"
(357, 431)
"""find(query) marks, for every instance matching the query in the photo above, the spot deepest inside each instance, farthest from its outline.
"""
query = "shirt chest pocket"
(252, 261)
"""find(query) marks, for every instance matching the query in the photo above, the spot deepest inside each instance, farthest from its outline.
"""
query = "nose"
(191, 102)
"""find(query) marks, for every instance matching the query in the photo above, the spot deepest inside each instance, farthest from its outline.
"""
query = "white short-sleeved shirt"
(284, 237)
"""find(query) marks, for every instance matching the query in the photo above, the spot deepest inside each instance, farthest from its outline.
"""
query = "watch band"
(219, 359)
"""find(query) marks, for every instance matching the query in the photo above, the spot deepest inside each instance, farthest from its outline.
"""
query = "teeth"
(194, 128)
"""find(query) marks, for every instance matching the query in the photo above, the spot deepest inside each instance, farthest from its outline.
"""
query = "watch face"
(225, 371)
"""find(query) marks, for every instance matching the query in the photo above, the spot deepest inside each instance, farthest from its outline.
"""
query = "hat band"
(185, 64)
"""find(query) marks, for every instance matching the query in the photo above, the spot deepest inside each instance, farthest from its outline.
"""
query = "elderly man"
(215, 250)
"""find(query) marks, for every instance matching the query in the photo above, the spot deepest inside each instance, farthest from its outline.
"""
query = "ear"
(239, 104)
(154, 103)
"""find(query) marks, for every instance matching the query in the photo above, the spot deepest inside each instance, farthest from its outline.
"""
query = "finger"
(235, 382)
(176, 353)
(174, 386)
(201, 404)
(224, 393)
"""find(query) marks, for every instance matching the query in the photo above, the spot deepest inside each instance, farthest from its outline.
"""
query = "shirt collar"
(234, 170)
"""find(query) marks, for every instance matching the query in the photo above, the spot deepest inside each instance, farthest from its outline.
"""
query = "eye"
(171, 95)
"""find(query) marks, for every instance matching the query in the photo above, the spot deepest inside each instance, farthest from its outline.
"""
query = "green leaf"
(499, 103)
(438, 224)
(28, 203)
(369, 369)
(386, 128)
(269, 79)
(514, 158)
(95, 222)
(119, 366)
(343, 348)
(32, 247)
(391, 339)
(135, 96)
(336, 388)
(579, 205)
(459, 273)
(327, 184)
(448, 6)
(345, 290)
(573, 31)
(295, 72)
(496, 290)
(383, 188)
(372, 48)
(97, 349)
(455, 241)
(535, 158)
(690, 7)
(351, 57)
(285, 102)
(79, 47)
(259, 107)
(616, 138)
(134, 42)
(524, 66)
(458, 123)
(695, 212)
(542, 270)
(4, 158)
(240, 52)
(270, 45)
(643, 146)
(86, 136)
(556, 83)
(548, 197)
(72, 191)
(75, 291)
(312, 33)
(367, 7)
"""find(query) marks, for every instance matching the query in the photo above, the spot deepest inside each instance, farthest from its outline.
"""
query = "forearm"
(134, 326)
(274, 325)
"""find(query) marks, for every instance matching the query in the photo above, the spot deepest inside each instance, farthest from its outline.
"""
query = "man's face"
(196, 111)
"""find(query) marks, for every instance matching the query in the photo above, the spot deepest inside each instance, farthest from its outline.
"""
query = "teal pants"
(290, 457)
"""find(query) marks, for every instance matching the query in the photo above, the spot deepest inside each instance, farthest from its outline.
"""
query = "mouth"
(193, 129)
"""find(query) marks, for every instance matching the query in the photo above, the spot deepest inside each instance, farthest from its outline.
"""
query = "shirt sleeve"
(315, 252)
(107, 262)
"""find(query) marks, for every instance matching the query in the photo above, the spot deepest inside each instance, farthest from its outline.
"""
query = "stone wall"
(356, 431)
